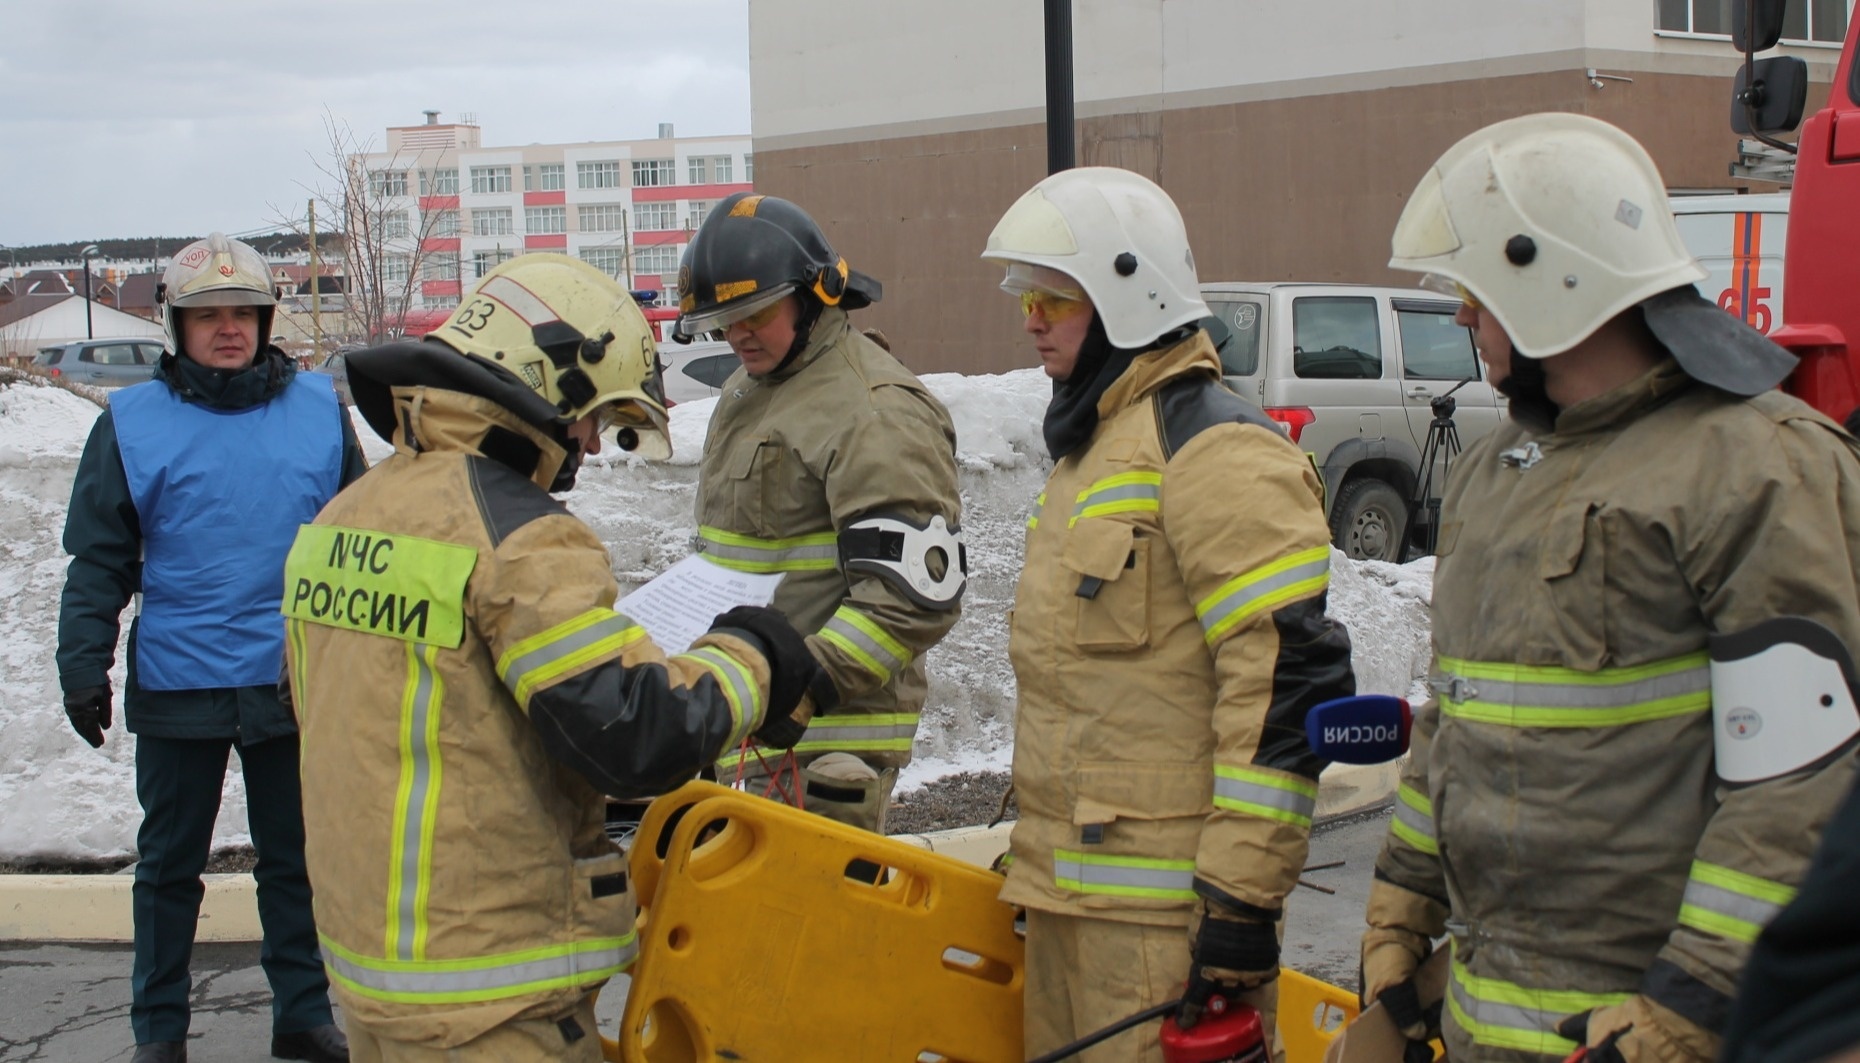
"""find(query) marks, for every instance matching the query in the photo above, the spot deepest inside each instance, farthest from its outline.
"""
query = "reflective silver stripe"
(418, 751)
(518, 671)
(1262, 794)
(1728, 903)
(884, 732)
(1491, 1020)
(1500, 1014)
(1104, 496)
(1415, 818)
(1251, 594)
(1124, 875)
(1554, 695)
(878, 657)
(802, 552)
(739, 688)
(462, 981)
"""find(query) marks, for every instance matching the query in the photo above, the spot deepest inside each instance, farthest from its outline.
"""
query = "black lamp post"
(84, 255)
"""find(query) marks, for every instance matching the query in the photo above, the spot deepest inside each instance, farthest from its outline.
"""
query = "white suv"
(1351, 371)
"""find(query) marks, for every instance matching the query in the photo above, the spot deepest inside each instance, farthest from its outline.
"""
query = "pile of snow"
(59, 799)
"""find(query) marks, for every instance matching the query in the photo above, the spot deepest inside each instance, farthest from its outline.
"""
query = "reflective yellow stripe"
(1517, 695)
(1124, 876)
(860, 638)
(1731, 903)
(1038, 505)
(739, 689)
(745, 553)
(294, 630)
(879, 732)
(481, 978)
(1128, 492)
(1414, 820)
(416, 806)
(397, 586)
(1261, 793)
(541, 659)
(1264, 588)
(1501, 1014)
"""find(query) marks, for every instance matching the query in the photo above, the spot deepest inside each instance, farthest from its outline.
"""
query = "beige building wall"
(1290, 133)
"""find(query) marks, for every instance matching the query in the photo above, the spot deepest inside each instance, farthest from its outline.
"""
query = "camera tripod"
(1440, 447)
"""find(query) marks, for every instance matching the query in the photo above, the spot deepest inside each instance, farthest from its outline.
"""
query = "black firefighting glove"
(1229, 953)
(89, 712)
(794, 674)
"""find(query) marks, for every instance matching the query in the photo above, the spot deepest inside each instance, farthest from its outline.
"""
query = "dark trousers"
(178, 783)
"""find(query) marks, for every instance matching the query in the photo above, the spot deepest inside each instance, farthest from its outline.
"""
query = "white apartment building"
(628, 207)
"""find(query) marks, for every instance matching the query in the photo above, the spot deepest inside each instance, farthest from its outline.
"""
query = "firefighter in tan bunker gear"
(468, 693)
(1645, 592)
(1169, 634)
(829, 462)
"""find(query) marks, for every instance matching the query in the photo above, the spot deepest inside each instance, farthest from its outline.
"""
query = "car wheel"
(1368, 520)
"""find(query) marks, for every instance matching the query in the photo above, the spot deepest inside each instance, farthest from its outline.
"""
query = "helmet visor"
(226, 296)
(636, 427)
(1445, 285)
(721, 316)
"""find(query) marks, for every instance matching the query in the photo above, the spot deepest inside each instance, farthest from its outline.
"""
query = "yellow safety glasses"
(1052, 306)
(1448, 286)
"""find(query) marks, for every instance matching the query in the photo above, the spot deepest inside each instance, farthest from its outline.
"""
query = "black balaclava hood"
(1072, 415)
(809, 316)
(1525, 387)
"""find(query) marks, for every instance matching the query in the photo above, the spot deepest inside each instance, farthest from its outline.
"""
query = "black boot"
(319, 1044)
(162, 1052)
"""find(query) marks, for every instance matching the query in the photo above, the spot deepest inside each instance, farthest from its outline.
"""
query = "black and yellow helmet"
(753, 250)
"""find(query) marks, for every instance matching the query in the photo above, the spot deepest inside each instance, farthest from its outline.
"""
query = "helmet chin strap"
(803, 329)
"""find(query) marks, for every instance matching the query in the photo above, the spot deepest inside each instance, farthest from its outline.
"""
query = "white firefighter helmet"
(217, 271)
(1117, 234)
(1554, 222)
(571, 335)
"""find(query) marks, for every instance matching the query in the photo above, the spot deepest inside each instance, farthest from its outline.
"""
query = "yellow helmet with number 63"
(574, 337)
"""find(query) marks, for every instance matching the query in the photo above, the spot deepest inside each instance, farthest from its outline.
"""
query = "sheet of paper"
(679, 604)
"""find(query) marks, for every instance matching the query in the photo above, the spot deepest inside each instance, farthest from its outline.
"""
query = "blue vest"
(220, 494)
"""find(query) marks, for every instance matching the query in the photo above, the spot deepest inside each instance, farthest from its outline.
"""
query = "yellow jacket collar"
(1153, 369)
(432, 419)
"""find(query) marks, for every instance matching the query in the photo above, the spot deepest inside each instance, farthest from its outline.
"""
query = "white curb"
(97, 907)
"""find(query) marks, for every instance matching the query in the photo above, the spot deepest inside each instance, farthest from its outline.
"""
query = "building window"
(396, 268)
(700, 170)
(545, 219)
(394, 225)
(441, 302)
(443, 223)
(439, 182)
(720, 169)
(649, 217)
(1810, 20)
(482, 262)
(609, 260)
(662, 259)
(654, 173)
(601, 218)
(550, 177)
(605, 174)
(492, 222)
(387, 183)
(440, 266)
(694, 217)
(529, 178)
(487, 179)
(749, 168)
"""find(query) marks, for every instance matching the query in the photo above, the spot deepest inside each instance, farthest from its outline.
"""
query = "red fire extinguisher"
(1228, 1032)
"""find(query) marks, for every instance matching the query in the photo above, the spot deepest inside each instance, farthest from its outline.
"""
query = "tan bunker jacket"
(842, 433)
(1168, 637)
(1560, 797)
(466, 693)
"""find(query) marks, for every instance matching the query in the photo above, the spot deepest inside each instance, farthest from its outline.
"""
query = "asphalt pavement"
(65, 1003)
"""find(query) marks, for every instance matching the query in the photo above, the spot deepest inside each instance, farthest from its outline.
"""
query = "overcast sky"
(123, 118)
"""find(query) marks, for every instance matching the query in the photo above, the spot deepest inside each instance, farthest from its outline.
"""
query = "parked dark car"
(104, 363)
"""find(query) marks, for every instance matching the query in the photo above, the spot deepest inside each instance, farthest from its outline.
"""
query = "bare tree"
(382, 245)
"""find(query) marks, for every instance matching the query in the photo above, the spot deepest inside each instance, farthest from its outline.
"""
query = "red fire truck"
(1821, 319)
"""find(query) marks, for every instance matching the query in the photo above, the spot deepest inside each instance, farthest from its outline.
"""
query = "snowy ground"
(61, 800)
